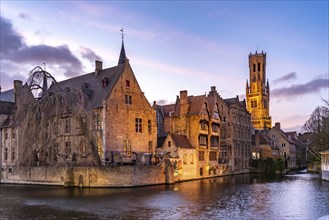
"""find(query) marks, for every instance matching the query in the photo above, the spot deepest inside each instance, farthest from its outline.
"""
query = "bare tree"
(318, 126)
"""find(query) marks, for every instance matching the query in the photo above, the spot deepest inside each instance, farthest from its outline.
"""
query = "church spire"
(122, 57)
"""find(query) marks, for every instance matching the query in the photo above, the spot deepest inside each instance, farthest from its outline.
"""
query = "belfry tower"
(258, 92)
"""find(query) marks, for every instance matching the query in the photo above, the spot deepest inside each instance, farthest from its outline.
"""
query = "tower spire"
(122, 57)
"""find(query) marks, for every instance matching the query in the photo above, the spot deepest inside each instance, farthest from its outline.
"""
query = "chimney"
(213, 91)
(17, 86)
(277, 125)
(183, 102)
(98, 67)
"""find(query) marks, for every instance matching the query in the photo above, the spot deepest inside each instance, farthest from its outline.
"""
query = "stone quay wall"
(84, 176)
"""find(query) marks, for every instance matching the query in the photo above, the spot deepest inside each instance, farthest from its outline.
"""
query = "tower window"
(258, 66)
(253, 103)
(254, 67)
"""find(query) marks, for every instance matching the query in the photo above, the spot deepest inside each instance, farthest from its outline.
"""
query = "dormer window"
(127, 83)
(105, 82)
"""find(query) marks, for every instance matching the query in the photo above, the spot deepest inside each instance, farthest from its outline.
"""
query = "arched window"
(258, 66)
(254, 67)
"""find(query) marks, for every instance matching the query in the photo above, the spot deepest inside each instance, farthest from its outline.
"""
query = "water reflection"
(302, 196)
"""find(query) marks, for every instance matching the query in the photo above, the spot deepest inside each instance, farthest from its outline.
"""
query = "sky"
(177, 45)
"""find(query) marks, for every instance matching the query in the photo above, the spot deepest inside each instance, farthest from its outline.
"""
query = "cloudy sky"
(173, 46)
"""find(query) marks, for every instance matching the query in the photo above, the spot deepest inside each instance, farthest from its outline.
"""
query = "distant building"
(258, 92)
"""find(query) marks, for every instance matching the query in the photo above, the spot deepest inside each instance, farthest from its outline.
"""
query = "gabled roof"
(196, 104)
(211, 101)
(7, 96)
(181, 141)
(160, 141)
(7, 108)
(8, 122)
(230, 101)
(97, 88)
(164, 110)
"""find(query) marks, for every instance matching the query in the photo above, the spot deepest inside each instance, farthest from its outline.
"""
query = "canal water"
(298, 196)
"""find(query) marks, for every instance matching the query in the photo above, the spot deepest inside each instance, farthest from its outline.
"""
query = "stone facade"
(258, 92)
(91, 176)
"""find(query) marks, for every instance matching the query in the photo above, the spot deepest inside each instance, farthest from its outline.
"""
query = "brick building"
(98, 118)
(219, 131)
(238, 130)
